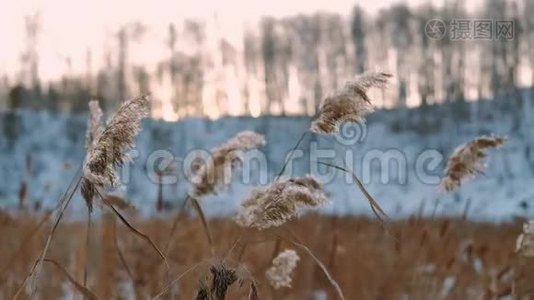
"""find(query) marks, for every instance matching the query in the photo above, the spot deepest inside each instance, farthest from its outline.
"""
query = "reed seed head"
(216, 173)
(109, 147)
(94, 129)
(116, 139)
(279, 274)
(467, 161)
(277, 203)
(349, 104)
(95, 124)
(525, 241)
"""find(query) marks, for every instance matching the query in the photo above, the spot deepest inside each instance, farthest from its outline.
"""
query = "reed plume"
(94, 129)
(351, 103)
(277, 203)
(108, 149)
(467, 161)
(279, 274)
(525, 241)
(216, 172)
(95, 124)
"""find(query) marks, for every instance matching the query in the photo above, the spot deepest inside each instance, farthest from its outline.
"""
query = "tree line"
(287, 65)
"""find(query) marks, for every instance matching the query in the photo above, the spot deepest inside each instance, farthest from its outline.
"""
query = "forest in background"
(285, 66)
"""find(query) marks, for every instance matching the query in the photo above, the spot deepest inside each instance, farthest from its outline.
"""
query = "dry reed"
(95, 124)
(216, 172)
(108, 150)
(119, 202)
(279, 274)
(94, 129)
(222, 278)
(351, 103)
(82, 289)
(467, 161)
(363, 261)
(525, 241)
(275, 204)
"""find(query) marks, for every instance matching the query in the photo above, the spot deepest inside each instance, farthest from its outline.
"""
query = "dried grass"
(222, 278)
(119, 202)
(108, 150)
(277, 203)
(216, 173)
(82, 289)
(349, 104)
(279, 274)
(367, 264)
(95, 124)
(525, 241)
(467, 161)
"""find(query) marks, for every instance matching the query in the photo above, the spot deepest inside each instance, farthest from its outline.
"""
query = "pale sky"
(70, 27)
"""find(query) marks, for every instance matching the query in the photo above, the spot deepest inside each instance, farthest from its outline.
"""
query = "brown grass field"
(417, 259)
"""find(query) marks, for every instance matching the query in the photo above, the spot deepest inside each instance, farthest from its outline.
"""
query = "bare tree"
(358, 38)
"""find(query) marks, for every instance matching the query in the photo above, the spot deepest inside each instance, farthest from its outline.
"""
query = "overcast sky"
(70, 27)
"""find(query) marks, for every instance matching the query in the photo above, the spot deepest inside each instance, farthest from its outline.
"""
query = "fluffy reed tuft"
(525, 241)
(216, 172)
(467, 161)
(350, 103)
(108, 149)
(279, 274)
(277, 203)
(94, 129)
(95, 124)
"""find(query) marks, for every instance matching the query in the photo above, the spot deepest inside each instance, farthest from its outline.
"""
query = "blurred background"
(237, 57)
(213, 68)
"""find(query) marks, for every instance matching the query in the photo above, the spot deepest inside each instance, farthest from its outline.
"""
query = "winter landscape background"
(214, 68)
(42, 151)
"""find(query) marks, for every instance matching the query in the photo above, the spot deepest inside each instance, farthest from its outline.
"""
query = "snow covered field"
(398, 154)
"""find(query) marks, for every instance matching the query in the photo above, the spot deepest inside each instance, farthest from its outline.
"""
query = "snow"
(55, 144)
